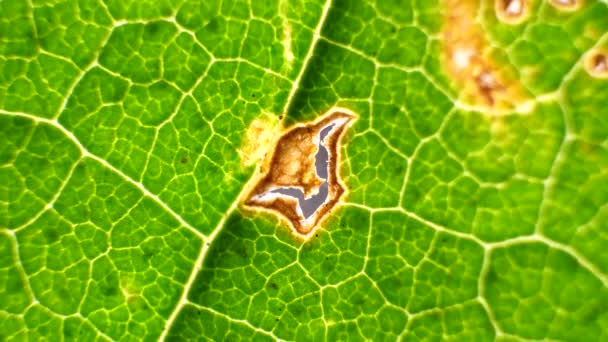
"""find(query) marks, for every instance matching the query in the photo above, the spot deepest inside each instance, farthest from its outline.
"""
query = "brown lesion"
(596, 63)
(488, 85)
(512, 11)
(292, 164)
(467, 58)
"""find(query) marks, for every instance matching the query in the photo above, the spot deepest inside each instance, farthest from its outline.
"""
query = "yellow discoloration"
(596, 63)
(286, 41)
(567, 5)
(467, 60)
(258, 139)
(128, 288)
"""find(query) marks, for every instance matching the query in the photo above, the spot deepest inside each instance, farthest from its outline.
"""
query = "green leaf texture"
(121, 124)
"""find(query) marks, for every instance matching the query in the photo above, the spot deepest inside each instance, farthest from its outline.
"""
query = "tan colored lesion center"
(292, 164)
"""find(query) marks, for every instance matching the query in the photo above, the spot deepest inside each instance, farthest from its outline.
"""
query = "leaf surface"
(477, 187)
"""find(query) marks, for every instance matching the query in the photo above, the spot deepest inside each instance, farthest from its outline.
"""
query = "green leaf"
(477, 170)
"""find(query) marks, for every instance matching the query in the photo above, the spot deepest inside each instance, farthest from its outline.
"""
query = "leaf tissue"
(327, 170)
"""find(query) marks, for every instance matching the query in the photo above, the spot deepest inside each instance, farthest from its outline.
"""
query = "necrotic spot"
(511, 11)
(596, 64)
(310, 205)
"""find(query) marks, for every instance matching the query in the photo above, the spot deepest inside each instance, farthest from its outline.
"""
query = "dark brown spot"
(600, 64)
(511, 11)
(596, 64)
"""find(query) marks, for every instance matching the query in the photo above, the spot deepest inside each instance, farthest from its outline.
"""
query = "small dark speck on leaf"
(51, 235)
(242, 252)
(184, 160)
(492, 277)
(152, 29)
(274, 286)
(149, 255)
(213, 25)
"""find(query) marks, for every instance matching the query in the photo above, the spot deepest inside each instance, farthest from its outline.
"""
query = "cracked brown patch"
(596, 63)
(567, 5)
(468, 61)
(292, 164)
(512, 11)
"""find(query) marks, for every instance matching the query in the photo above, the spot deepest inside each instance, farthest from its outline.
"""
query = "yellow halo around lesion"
(567, 5)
